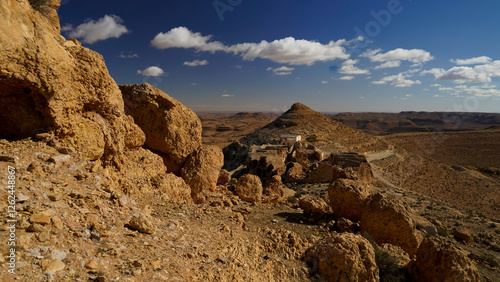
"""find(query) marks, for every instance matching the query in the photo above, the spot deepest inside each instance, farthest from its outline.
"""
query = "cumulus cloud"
(398, 80)
(416, 56)
(151, 71)
(389, 64)
(287, 50)
(281, 71)
(348, 67)
(347, 77)
(477, 91)
(109, 26)
(196, 63)
(463, 74)
(324, 81)
(472, 61)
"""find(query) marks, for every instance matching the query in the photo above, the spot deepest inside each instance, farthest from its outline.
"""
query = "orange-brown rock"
(249, 188)
(388, 220)
(170, 127)
(274, 188)
(348, 197)
(172, 187)
(201, 171)
(441, 261)
(224, 177)
(47, 85)
(344, 257)
(314, 205)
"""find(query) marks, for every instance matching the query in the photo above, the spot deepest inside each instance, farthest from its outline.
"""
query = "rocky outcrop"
(348, 198)
(173, 188)
(441, 261)
(343, 257)
(201, 171)
(249, 188)
(314, 205)
(388, 220)
(274, 189)
(266, 164)
(170, 127)
(50, 84)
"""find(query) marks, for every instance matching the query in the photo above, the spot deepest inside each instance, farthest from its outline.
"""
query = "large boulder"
(343, 257)
(266, 164)
(201, 171)
(294, 173)
(48, 84)
(348, 197)
(170, 127)
(274, 188)
(388, 220)
(441, 261)
(249, 188)
(314, 205)
(173, 188)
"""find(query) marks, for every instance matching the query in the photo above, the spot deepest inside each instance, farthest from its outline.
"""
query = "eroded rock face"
(344, 257)
(348, 197)
(47, 85)
(249, 188)
(387, 220)
(441, 261)
(170, 127)
(201, 171)
(274, 188)
(172, 187)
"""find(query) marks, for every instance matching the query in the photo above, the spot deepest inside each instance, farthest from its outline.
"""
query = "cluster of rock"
(62, 92)
(386, 221)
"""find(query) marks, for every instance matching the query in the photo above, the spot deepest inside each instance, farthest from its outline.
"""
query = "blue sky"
(334, 56)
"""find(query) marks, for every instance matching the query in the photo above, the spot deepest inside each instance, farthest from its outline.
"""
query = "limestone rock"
(463, 235)
(170, 127)
(249, 188)
(344, 257)
(49, 87)
(274, 188)
(266, 164)
(55, 266)
(142, 224)
(172, 187)
(201, 171)
(345, 225)
(389, 221)
(294, 173)
(314, 205)
(441, 261)
(348, 198)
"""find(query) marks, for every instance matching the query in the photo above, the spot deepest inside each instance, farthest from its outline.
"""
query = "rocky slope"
(104, 196)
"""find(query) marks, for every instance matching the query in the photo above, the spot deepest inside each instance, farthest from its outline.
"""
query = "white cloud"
(238, 66)
(348, 67)
(436, 85)
(281, 71)
(389, 64)
(463, 74)
(347, 77)
(287, 50)
(127, 55)
(196, 63)
(109, 26)
(151, 71)
(398, 80)
(324, 81)
(226, 95)
(472, 61)
(476, 91)
(417, 56)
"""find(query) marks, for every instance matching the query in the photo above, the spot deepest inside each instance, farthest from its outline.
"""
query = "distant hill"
(314, 127)
(403, 122)
(254, 116)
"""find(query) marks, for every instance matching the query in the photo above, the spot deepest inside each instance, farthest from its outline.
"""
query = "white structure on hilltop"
(289, 140)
